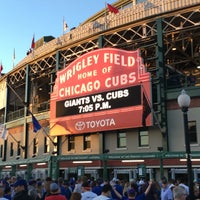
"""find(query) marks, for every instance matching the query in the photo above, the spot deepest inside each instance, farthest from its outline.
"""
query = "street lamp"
(184, 103)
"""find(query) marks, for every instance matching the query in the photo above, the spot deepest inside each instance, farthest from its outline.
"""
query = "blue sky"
(19, 20)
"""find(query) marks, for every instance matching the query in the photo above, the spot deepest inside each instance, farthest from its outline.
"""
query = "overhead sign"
(101, 90)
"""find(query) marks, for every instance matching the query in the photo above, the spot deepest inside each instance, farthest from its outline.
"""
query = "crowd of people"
(16, 188)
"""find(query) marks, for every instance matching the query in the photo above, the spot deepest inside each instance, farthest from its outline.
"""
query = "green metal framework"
(154, 34)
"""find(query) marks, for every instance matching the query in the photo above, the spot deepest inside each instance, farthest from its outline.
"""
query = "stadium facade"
(105, 96)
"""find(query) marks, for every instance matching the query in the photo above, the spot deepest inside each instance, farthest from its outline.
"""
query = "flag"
(3, 132)
(36, 124)
(65, 26)
(13, 58)
(112, 8)
(146, 110)
(96, 25)
(1, 68)
(33, 43)
(14, 55)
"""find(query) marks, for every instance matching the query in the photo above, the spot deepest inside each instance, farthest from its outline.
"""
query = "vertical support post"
(161, 86)
(53, 167)
(188, 153)
(29, 171)
(105, 170)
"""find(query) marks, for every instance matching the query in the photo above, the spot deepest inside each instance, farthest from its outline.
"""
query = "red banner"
(102, 90)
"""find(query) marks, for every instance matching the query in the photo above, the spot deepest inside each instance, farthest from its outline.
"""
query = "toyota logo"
(80, 126)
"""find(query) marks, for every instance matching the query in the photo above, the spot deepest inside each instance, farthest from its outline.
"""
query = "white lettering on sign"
(88, 74)
(80, 89)
(118, 59)
(120, 80)
(100, 123)
(117, 94)
(78, 66)
(77, 102)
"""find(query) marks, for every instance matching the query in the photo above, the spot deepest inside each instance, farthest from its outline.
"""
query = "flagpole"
(63, 26)
(105, 15)
(33, 45)
(46, 134)
(17, 95)
(152, 110)
(16, 141)
(25, 104)
(13, 59)
(1, 68)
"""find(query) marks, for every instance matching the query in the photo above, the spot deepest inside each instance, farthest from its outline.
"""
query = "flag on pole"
(1, 68)
(13, 58)
(146, 110)
(112, 8)
(14, 54)
(33, 42)
(3, 132)
(65, 26)
(36, 124)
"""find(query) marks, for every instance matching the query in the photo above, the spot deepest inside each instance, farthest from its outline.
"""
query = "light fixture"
(43, 163)
(173, 48)
(198, 67)
(184, 100)
(193, 159)
(129, 161)
(8, 167)
(82, 161)
(23, 165)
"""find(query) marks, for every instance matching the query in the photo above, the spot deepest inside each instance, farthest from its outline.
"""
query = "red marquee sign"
(105, 89)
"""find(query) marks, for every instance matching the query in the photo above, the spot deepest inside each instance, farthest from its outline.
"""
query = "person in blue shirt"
(117, 187)
(166, 192)
(133, 194)
(96, 187)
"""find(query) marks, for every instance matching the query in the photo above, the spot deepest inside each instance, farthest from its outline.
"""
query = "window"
(11, 149)
(35, 146)
(71, 142)
(18, 148)
(55, 147)
(192, 129)
(1, 149)
(86, 141)
(46, 145)
(143, 138)
(121, 140)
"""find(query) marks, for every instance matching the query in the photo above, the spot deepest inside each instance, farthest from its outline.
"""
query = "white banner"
(3, 94)
(3, 132)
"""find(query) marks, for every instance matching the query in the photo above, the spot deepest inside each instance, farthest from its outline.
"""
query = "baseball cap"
(131, 192)
(20, 182)
(141, 182)
(54, 187)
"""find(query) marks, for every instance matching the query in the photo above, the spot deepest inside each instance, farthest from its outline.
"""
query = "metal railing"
(44, 107)
(15, 115)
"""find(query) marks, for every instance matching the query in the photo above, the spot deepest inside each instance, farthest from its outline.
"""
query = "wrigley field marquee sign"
(105, 89)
